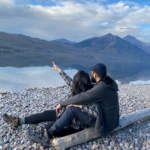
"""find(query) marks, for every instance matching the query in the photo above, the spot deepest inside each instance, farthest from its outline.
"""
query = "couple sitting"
(89, 105)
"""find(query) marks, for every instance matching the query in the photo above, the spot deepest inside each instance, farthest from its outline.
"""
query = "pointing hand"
(55, 67)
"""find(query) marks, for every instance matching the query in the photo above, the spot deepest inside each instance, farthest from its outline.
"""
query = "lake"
(19, 71)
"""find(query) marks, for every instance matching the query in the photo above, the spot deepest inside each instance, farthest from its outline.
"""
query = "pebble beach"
(31, 101)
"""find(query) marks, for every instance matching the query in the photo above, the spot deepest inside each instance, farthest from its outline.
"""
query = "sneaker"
(39, 137)
(12, 120)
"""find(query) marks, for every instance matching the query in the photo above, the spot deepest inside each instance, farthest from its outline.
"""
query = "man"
(104, 95)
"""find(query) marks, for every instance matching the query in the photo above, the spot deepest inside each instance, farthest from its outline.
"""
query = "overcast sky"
(76, 20)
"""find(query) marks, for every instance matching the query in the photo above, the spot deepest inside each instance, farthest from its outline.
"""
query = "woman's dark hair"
(81, 82)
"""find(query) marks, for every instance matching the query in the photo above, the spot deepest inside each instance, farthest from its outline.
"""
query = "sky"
(76, 20)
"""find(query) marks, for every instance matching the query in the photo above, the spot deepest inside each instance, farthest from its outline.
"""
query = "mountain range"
(62, 40)
(144, 46)
(108, 47)
(16, 42)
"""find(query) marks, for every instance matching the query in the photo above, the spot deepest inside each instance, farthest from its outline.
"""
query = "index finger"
(53, 63)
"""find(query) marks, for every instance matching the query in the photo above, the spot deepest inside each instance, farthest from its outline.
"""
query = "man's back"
(109, 105)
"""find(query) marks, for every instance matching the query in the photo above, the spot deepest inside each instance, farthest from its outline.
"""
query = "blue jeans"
(67, 117)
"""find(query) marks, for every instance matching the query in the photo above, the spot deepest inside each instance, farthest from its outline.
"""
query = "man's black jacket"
(105, 95)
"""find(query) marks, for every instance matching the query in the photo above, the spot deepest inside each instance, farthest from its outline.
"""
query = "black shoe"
(39, 137)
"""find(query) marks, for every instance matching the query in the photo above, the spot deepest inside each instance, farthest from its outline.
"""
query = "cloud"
(74, 20)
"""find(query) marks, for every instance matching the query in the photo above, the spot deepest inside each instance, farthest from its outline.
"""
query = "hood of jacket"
(110, 83)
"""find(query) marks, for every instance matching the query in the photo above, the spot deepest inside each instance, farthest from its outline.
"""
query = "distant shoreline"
(71, 55)
(118, 82)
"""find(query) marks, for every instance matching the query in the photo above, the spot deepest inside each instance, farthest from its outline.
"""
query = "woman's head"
(81, 82)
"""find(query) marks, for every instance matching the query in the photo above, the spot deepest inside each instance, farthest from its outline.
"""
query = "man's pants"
(67, 117)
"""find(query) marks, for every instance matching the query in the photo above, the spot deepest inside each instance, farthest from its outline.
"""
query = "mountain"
(105, 47)
(111, 46)
(144, 46)
(62, 41)
(22, 43)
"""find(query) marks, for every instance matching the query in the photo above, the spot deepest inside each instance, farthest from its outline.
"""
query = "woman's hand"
(80, 106)
(55, 67)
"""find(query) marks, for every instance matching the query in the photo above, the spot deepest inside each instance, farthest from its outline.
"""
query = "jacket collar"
(102, 78)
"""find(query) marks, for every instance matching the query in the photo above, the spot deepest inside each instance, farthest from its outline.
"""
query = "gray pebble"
(31, 101)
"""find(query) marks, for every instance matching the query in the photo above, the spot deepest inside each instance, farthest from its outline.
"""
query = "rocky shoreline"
(31, 101)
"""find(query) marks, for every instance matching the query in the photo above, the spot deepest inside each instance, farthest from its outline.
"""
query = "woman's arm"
(66, 78)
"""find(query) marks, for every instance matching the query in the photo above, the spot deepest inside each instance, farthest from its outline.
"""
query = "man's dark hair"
(81, 82)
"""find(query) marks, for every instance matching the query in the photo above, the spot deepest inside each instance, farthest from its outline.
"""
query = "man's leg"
(67, 131)
(70, 113)
(63, 132)
(15, 121)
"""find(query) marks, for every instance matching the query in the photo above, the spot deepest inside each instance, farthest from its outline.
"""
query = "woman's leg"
(15, 121)
(48, 115)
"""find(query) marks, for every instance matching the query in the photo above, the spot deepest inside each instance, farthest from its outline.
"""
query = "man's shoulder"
(99, 86)
(104, 84)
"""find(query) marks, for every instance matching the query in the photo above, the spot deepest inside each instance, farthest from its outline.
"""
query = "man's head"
(98, 71)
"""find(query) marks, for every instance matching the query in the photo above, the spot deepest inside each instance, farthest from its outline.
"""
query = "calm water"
(22, 71)
(13, 79)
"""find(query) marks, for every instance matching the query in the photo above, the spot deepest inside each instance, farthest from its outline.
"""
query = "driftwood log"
(87, 134)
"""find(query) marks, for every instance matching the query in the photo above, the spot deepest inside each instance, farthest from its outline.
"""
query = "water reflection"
(16, 70)
(15, 79)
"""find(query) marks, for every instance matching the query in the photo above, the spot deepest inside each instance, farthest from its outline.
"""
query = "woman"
(81, 82)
